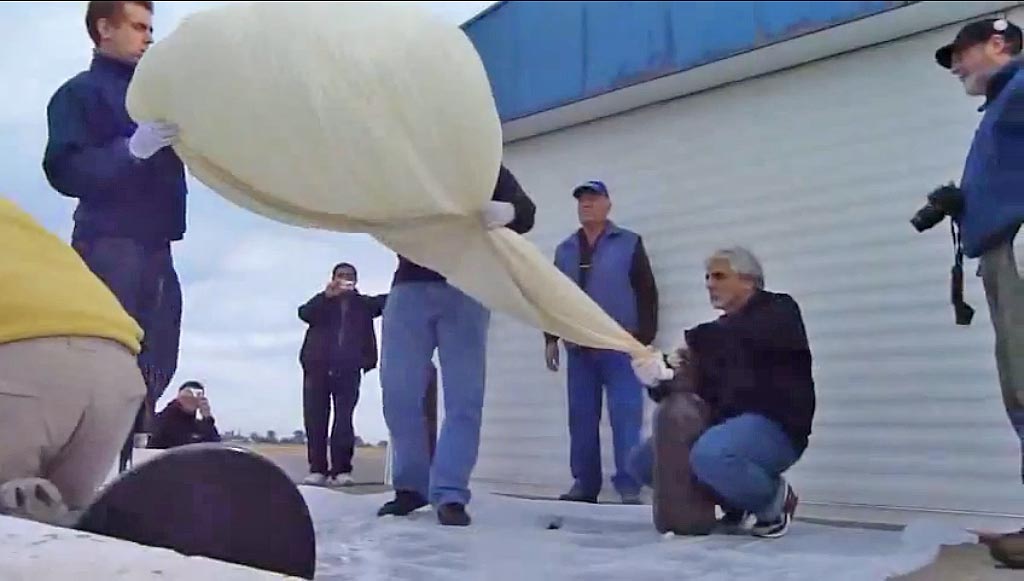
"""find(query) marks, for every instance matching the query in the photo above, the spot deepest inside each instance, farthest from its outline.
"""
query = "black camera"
(947, 200)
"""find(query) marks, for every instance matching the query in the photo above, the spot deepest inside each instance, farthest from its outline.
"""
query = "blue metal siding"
(543, 55)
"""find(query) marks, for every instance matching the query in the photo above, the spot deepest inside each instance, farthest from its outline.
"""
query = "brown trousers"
(66, 407)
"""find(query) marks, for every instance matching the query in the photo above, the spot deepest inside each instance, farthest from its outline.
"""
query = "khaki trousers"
(1004, 288)
(66, 406)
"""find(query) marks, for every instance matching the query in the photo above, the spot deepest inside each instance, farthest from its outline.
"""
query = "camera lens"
(927, 217)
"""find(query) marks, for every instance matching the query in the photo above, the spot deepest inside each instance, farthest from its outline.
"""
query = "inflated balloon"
(359, 117)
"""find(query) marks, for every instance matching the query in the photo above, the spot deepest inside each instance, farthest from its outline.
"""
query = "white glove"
(498, 214)
(674, 357)
(150, 138)
(652, 369)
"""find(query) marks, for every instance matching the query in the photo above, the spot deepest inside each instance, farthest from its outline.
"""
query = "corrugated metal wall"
(817, 169)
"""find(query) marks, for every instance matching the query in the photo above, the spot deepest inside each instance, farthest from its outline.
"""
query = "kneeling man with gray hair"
(753, 367)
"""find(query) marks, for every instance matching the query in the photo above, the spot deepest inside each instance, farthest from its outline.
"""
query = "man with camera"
(988, 206)
(186, 420)
(340, 346)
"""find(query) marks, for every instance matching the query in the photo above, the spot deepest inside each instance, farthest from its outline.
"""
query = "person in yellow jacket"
(69, 382)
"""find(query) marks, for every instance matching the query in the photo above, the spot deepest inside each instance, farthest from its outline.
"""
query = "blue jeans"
(741, 459)
(592, 372)
(420, 317)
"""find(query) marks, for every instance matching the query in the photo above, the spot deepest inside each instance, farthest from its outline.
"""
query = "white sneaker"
(340, 481)
(34, 499)
(315, 479)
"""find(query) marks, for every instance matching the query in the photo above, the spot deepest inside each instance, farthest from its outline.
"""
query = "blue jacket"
(610, 278)
(993, 179)
(87, 158)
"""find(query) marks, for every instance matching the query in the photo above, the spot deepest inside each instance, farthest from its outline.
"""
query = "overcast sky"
(243, 276)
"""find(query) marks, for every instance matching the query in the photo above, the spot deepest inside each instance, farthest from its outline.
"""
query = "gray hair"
(742, 261)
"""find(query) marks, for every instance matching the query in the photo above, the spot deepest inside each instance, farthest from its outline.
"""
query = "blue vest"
(993, 179)
(608, 280)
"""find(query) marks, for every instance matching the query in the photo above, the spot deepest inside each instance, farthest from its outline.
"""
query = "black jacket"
(175, 427)
(341, 332)
(507, 189)
(758, 360)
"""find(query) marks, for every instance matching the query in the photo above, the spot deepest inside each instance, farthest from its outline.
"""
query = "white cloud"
(243, 276)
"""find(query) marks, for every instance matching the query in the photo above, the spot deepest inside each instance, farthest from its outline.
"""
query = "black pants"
(320, 388)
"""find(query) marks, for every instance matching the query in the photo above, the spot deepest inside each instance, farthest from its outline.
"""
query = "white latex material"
(356, 117)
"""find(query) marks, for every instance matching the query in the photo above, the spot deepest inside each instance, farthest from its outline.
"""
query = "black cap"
(977, 33)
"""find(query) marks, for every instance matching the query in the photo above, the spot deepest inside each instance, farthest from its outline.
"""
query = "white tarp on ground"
(509, 540)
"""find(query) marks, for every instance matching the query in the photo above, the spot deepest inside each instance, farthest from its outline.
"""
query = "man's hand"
(680, 359)
(651, 370)
(204, 408)
(551, 356)
(150, 138)
(333, 289)
(498, 214)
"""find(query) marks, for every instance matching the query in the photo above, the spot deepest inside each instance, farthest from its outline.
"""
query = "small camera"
(947, 200)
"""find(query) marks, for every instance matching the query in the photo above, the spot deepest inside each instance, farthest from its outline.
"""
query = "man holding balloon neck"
(130, 187)
(423, 313)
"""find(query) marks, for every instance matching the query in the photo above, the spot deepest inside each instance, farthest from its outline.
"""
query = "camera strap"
(963, 312)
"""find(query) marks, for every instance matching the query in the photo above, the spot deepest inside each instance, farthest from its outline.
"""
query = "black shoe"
(575, 495)
(405, 502)
(453, 515)
(631, 498)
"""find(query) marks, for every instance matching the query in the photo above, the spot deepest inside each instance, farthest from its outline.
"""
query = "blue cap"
(593, 187)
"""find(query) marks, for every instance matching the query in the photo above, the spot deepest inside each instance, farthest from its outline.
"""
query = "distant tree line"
(271, 437)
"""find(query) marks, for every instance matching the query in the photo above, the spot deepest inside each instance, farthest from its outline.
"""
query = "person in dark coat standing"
(753, 367)
(340, 346)
(130, 188)
(186, 420)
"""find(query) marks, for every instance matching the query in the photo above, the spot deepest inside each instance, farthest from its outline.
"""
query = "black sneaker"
(453, 515)
(779, 526)
(575, 495)
(405, 502)
(630, 498)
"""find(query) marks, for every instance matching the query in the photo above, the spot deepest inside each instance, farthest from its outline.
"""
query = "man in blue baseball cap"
(610, 264)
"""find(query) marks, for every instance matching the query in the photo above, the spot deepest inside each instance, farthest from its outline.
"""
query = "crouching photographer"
(988, 208)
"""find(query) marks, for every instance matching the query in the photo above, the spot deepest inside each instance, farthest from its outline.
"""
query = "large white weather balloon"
(359, 117)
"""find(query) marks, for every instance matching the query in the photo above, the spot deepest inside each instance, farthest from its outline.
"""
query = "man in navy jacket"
(985, 56)
(129, 184)
(340, 346)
